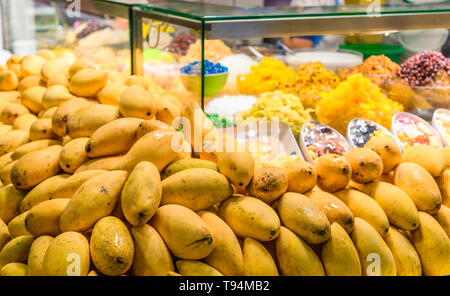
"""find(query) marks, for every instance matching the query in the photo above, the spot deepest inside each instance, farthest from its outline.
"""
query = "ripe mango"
(95, 199)
(304, 217)
(257, 260)
(36, 255)
(183, 231)
(141, 195)
(407, 260)
(295, 257)
(419, 185)
(433, 246)
(250, 217)
(374, 254)
(226, 255)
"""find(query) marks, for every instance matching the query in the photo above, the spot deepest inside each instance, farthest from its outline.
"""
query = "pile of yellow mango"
(91, 185)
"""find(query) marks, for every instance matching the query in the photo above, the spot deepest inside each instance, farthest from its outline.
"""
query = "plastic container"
(410, 130)
(368, 49)
(268, 141)
(441, 122)
(332, 60)
(360, 131)
(317, 139)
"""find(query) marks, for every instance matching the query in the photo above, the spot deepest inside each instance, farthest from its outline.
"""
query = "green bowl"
(368, 49)
(214, 83)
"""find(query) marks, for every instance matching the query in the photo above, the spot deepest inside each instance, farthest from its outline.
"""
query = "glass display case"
(95, 30)
(230, 57)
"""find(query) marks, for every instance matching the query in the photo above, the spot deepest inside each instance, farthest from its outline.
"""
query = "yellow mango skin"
(333, 172)
(295, 257)
(24, 122)
(141, 194)
(195, 268)
(443, 182)
(388, 150)
(366, 164)
(36, 255)
(334, 208)
(11, 112)
(111, 93)
(238, 167)
(42, 129)
(59, 260)
(155, 147)
(226, 255)
(29, 82)
(16, 250)
(151, 257)
(33, 146)
(11, 140)
(85, 121)
(87, 82)
(8, 80)
(32, 98)
(63, 112)
(95, 199)
(10, 198)
(78, 65)
(339, 255)
(4, 234)
(35, 167)
(49, 112)
(167, 111)
(433, 246)
(428, 157)
(183, 231)
(111, 246)
(303, 217)
(43, 218)
(250, 217)
(55, 67)
(419, 185)
(367, 241)
(73, 155)
(185, 164)
(16, 226)
(32, 65)
(5, 159)
(67, 187)
(364, 207)
(398, 206)
(106, 163)
(147, 126)
(443, 218)
(5, 128)
(55, 96)
(41, 192)
(257, 260)
(136, 101)
(14, 269)
(407, 260)
(301, 176)
(5, 173)
(196, 189)
(113, 138)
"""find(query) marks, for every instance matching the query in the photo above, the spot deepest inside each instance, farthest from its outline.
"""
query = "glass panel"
(172, 58)
(94, 30)
(212, 12)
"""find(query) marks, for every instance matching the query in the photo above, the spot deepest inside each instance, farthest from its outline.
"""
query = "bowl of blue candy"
(215, 78)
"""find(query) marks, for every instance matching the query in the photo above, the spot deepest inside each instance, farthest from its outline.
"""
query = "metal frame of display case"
(309, 21)
(98, 7)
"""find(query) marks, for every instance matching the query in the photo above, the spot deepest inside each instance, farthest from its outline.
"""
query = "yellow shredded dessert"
(269, 75)
(279, 106)
(313, 79)
(356, 97)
